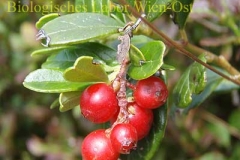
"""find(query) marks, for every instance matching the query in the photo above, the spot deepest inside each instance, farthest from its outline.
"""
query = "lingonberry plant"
(124, 84)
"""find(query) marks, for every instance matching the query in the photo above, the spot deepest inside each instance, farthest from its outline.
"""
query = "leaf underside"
(69, 100)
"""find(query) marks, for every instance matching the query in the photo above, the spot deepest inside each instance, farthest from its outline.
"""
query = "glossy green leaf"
(64, 59)
(85, 71)
(43, 20)
(94, 6)
(118, 14)
(152, 8)
(153, 53)
(136, 56)
(78, 3)
(79, 27)
(181, 10)
(102, 52)
(138, 5)
(69, 100)
(147, 147)
(101, 55)
(156, 8)
(140, 40)
(193, 81)
(51, 81)
(49, 50)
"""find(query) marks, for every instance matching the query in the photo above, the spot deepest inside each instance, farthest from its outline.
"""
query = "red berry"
(98, 103)
(114, 117)
(124, 138)
(141, 119)
(98, 146)
(150, 93)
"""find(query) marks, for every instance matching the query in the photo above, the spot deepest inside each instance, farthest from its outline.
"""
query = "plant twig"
(120, 82)
(211, 58)
(179, 47)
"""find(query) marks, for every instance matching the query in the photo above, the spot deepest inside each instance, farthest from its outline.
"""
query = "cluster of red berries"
(99, 104)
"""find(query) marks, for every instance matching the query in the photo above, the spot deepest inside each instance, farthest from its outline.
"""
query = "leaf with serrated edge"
(153, 53)
(69, 100)
(79, 27)
(51, 81)
(85, 71)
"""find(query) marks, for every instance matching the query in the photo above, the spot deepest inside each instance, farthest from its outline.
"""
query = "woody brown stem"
(121, 94)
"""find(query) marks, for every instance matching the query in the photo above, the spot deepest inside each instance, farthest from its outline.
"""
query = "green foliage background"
(30, 130)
